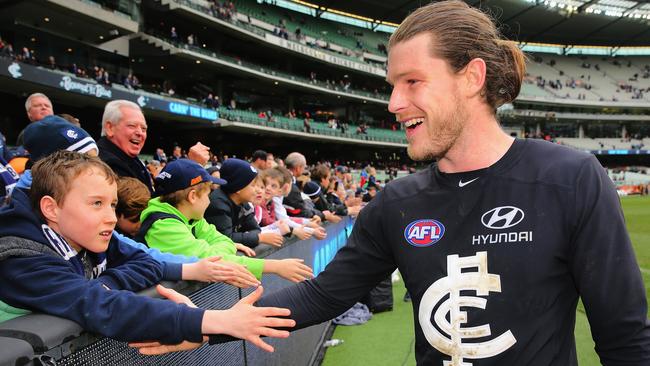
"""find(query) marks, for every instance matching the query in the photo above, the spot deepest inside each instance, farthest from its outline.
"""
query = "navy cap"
(311, 189)
(52, 134)
(238, 173)
(181, 174)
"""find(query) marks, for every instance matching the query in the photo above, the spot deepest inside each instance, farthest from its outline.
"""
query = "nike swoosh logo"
(463, 184)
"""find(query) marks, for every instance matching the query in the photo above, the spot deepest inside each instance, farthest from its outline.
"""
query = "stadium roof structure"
(607, 23)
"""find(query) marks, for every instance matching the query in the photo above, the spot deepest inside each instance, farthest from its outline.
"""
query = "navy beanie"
(311, 189)
(52, 134)
(238, 173)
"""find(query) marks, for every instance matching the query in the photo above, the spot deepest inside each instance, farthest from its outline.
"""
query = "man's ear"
(474, 76)
(49, 209)
(108, 128)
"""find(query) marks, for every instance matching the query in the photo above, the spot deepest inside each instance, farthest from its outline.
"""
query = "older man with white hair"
(124, 132)
(37, 106)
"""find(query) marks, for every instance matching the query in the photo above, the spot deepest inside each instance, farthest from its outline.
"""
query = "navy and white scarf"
(85, 263)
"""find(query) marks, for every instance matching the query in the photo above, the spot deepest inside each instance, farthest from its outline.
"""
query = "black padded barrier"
(45, 339)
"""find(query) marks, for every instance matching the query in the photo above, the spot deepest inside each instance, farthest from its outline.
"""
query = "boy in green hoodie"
(173, 222)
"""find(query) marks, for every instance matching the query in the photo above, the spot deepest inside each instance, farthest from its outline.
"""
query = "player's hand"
(199, 153)
(156, 348)
(274, 239)
(315, 219)
(249, 322)
(246, 250)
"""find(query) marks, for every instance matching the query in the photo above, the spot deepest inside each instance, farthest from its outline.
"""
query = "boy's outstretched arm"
(244, 309)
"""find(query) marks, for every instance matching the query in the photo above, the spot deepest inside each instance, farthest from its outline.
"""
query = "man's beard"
(440, 137)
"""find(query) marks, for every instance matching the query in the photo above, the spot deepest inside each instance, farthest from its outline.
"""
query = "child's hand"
(284, 227)
(315, 219)
(249, 322)
(320, 233)
(214, 270)
(274, 239)
(331, 217)
(294, 270)
(301, 233)
(354, 211)
(313, 225)
(246, 250)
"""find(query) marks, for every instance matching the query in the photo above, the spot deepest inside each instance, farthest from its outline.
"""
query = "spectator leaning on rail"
(174, 223)
(52, 134)
(294, 204)
(124, 132)
(231, 210)
(58, 256)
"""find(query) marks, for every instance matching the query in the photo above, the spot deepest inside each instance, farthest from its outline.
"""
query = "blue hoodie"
(25, 182)
(37, 274)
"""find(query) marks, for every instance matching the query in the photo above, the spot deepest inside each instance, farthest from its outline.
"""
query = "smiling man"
(499, 238)
(124, 132)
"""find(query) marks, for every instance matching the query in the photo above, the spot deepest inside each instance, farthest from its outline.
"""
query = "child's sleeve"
(155, 252)
(172, 235)
(132, 269)
(226, 247)
(48, 284)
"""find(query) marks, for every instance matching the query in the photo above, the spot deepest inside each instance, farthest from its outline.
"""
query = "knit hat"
(311, 189)
(181, 174)
(238, 173)
(52, 134)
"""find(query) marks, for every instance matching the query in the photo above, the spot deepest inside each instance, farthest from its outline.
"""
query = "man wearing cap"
(230, 209)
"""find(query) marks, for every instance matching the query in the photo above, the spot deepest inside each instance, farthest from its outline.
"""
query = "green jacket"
(196, 238)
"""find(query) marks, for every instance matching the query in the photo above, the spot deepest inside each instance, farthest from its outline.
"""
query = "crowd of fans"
(130, 80)
(180, 216)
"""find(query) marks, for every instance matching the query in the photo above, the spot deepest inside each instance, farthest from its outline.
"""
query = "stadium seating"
(604, 143)
(595, 78)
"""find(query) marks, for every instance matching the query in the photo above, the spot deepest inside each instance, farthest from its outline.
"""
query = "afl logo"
(423, 233)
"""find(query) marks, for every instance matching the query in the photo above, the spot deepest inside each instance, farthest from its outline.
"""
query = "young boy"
(132, 199)
(58, 256)
(174, 222)
(53, 133)
(230, 209)
(278, 182)
(267, 222)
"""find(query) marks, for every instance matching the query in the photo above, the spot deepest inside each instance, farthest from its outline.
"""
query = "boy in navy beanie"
(231, 211)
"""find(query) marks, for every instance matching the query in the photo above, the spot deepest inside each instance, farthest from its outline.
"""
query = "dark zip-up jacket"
(232, 220)
(122, 164)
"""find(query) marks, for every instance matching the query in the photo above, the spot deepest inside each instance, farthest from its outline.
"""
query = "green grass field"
(388, 338)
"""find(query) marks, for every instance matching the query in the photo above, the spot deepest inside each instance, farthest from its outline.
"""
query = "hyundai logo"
(502, 217)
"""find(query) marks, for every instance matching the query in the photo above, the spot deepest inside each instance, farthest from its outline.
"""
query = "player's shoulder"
(544, 161)
(409, 185)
